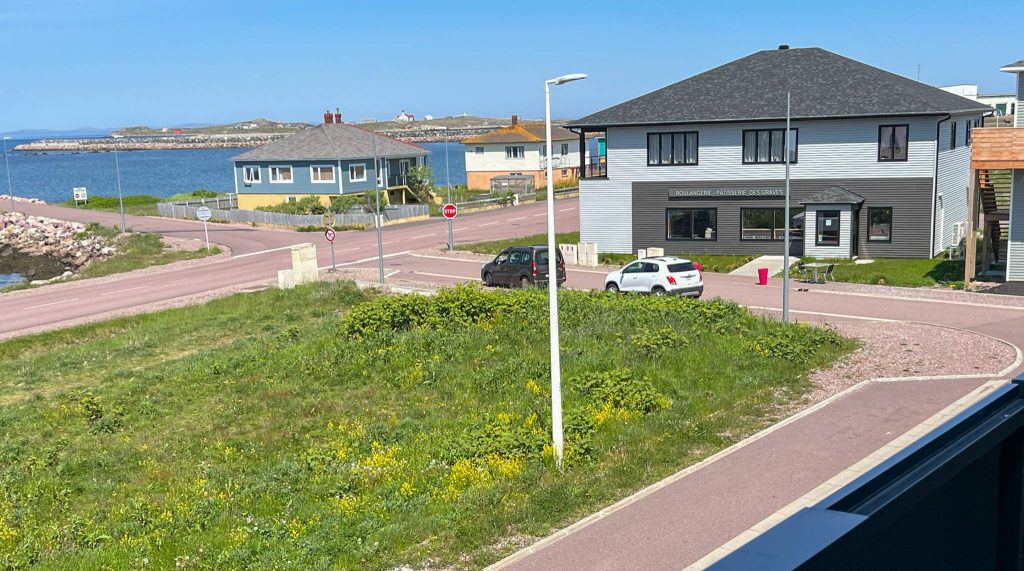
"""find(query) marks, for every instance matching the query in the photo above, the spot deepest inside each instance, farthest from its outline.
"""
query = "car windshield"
(683, 267)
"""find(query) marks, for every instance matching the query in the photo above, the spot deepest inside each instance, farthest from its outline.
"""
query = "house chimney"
(328, 117)
(337, 115)
(783, 46)
(515, 119)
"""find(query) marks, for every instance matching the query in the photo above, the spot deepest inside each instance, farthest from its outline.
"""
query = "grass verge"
(137, 204)
(323, 428)
(903, 272)
(709, 262)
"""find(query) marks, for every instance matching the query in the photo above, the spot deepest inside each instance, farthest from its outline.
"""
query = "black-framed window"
(827, 225)
(768, 146)
(691, 223)
(880, 224)
(968, 127)
(770, 224)
(952, 134)
(672, 148)
(892, 142)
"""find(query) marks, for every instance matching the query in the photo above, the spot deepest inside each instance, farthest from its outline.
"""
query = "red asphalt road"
(257, 255)
(679, 523)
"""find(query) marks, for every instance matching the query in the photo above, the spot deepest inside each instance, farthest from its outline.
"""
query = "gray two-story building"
(879, 163)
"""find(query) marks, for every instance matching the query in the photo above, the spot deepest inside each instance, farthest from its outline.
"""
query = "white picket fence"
(390, 213)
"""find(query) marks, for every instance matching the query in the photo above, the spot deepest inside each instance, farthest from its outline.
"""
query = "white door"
(631, 277)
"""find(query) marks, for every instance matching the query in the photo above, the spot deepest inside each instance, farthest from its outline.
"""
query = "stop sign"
(449, 211)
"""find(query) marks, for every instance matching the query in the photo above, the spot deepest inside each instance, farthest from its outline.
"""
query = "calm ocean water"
(51, 176)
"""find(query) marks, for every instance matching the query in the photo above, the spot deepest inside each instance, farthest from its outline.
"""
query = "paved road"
(257, 255)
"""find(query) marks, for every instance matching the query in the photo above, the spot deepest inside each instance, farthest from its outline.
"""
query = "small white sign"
(204, 213)
(80, 193)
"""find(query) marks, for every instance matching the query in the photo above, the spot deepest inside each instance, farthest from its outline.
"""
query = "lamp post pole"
(7, 167)
(448, 180)
(120, 200)
(376, 193)
(785, 243)
(557, 437)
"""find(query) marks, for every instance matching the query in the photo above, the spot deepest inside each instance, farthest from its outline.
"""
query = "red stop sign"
(449, 211)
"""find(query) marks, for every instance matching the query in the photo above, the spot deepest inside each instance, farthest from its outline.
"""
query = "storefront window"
(880, 224)
(769, 224)
(828, 228)
(691, 223)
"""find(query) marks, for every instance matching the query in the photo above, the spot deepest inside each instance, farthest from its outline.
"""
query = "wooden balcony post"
(970, 241)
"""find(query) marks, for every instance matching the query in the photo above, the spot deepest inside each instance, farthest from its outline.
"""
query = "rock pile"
(57, 239)
(6, 199)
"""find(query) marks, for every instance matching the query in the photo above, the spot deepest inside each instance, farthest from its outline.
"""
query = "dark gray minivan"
(521, 266)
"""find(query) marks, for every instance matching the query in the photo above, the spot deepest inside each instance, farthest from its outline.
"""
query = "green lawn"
(136, 204)
(709, 262)
(905, 272)
(319, 428)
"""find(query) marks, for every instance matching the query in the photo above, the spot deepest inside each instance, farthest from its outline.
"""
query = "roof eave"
(982, 109)
(240, 158)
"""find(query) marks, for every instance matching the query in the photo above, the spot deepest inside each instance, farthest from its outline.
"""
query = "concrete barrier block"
(285, 279)
(655, 252)
(570, 253)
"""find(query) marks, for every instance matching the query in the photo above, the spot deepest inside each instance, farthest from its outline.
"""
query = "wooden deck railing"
(997, 148)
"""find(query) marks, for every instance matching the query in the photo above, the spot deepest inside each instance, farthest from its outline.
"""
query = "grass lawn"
(709, 262)
(137, 204)
(905, 272)
(323, 428)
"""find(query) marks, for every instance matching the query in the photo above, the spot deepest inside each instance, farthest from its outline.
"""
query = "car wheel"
(488, 280)
(658, 290)
(612, 287)
(524, 282)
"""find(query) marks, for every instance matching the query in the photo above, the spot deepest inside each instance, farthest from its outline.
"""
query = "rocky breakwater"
(44, 249)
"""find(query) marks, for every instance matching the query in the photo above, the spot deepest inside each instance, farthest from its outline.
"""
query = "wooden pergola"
(992, 149)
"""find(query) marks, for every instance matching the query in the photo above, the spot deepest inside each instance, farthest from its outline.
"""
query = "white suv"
(659, 276)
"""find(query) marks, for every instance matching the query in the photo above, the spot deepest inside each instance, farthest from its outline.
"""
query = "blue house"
(327, 160)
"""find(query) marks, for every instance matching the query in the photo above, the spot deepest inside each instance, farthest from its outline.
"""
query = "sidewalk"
(775, 265)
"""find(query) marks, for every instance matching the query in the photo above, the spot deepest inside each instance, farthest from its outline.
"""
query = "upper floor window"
(672, 148)
(768, 146)
(892, 142)
(515, 152)
(478, 150)
(281, 174)
(321, 173)
(968, 127)
(251, 174)
(565, 149)
(952, 135)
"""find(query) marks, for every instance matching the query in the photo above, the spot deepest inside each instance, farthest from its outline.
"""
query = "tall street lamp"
(376, 191)
(556, 364)
(448, 180)
(7, 166)
(785, 245)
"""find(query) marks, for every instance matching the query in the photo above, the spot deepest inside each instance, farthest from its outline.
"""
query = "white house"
(520, 149)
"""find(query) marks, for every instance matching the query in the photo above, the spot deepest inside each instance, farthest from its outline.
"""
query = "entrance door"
(403, 170)
(855, 233)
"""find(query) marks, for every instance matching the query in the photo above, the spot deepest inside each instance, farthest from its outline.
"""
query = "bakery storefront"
(827, 218)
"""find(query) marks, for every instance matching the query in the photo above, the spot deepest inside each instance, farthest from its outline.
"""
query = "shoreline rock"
(6, 199)
(55, 239)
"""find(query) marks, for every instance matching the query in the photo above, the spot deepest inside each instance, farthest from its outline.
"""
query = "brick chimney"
(515, 119)
(337, 115)
(328, 117)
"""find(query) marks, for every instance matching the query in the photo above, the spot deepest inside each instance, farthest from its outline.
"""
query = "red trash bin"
(762, 276)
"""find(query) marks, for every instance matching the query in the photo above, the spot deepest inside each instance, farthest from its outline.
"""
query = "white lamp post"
(7, 166)
(556, 361)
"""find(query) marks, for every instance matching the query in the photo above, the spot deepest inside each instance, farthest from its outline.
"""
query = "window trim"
(564, 148)
(714, 234)
(353, 166)
(868, 237)
(522, 152)
(783, 228)
(839, 232)
(291, 173)
(672, 152)
(796, 147)
(893, 160)
(246, 169)
(313, 180)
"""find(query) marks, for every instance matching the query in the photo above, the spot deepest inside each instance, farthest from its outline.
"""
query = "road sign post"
(450, 211)
(204, 213)
(330, 234)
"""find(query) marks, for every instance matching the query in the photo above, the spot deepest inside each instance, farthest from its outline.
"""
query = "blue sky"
(111, 63)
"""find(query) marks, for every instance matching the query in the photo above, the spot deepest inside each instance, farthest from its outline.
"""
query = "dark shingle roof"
(753, 88)
(1015, 66)
(833, 195)
(331, 142)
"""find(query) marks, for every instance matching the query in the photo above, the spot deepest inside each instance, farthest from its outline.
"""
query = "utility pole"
(120, 199)
(7, 166)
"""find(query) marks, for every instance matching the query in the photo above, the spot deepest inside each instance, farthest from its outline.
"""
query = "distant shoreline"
(146, 143)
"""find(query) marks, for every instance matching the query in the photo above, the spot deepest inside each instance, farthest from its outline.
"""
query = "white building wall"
(953, 177)
(606, 214)
(811, 229)
(494, 159)
(1015, 249)
(826, 148)
(1019, 121)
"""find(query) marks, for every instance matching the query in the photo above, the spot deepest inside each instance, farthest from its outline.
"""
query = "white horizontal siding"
(1015, 252)
(954, 174)
(811, 228)
(606, 214)
(493, 158)
(838, 148)
(1019, 121)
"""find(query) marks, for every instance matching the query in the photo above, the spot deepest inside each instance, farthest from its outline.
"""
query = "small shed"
(517, 183)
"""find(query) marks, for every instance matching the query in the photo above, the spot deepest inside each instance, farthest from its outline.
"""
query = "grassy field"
(321, 428)
(905, 272)
(136, 204)
(709, 262)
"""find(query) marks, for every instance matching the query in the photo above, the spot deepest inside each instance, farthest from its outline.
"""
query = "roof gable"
(521, 133)
(822, 85)
(332, 141)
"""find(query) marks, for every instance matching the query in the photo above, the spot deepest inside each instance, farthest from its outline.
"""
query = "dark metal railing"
(596, 169)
